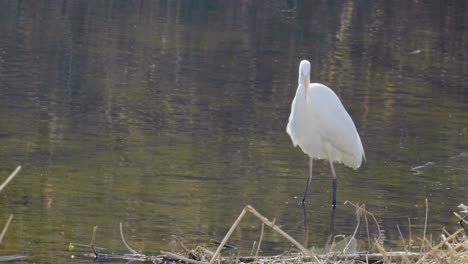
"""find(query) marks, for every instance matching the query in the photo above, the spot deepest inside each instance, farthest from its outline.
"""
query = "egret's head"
(304, 75)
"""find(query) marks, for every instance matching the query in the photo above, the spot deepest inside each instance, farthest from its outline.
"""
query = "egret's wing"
(291, 128)
(337, 129)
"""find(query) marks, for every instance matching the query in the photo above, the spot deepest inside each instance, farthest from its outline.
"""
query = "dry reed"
(453, 248)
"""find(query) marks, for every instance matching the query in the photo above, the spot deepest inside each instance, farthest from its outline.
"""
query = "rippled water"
(170, 116)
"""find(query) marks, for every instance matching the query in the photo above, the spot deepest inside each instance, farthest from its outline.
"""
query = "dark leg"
(334, 192)
(331, 234)
(335, 183)
(306, 227)
(308, 182)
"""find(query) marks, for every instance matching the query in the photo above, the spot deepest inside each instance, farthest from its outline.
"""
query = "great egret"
(320, 125)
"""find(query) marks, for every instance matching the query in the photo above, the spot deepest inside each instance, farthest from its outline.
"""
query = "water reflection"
(170, 116)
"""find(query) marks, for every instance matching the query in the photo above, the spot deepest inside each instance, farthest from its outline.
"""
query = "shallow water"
(170, 116)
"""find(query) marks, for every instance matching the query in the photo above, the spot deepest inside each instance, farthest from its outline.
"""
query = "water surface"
(170, 116)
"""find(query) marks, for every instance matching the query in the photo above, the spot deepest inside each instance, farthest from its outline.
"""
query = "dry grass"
(452, 247)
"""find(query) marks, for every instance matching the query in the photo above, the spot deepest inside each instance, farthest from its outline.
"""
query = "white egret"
(322, 128)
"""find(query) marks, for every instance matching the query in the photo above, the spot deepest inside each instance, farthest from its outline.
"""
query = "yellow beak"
(305, 88)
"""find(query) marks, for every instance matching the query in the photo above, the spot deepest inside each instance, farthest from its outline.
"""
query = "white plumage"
(322, 128)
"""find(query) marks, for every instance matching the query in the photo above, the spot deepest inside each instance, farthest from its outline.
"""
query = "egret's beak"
(305, 88)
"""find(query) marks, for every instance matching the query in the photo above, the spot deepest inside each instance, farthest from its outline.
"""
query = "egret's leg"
(306, 227)
(331, 234)
(335, 182)
(308, 182)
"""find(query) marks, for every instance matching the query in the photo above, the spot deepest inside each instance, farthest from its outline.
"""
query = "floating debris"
(463, 208)
(12, 258)
(461, 155)
(418, 169)
(415, 51)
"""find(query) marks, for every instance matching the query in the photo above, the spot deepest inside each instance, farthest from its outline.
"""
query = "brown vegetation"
(453, 247)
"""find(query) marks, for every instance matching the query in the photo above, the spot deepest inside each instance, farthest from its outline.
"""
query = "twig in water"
(228, 234)
(12, 175)
(72, 246)
(410, 241)
(425, 219)
(259, 244)
(176, 256)
(425, 228)
(125, 242)
(367, 230)
(333, 243)
(358, 218)
(367, 212)
(92, 241)
(5, 228)
(383, 257)
(402, 238)
(250, 209)
(181, 245)
(405, 258)
(253, 248)
(363, 210)
(279, 230)
(226, 246)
